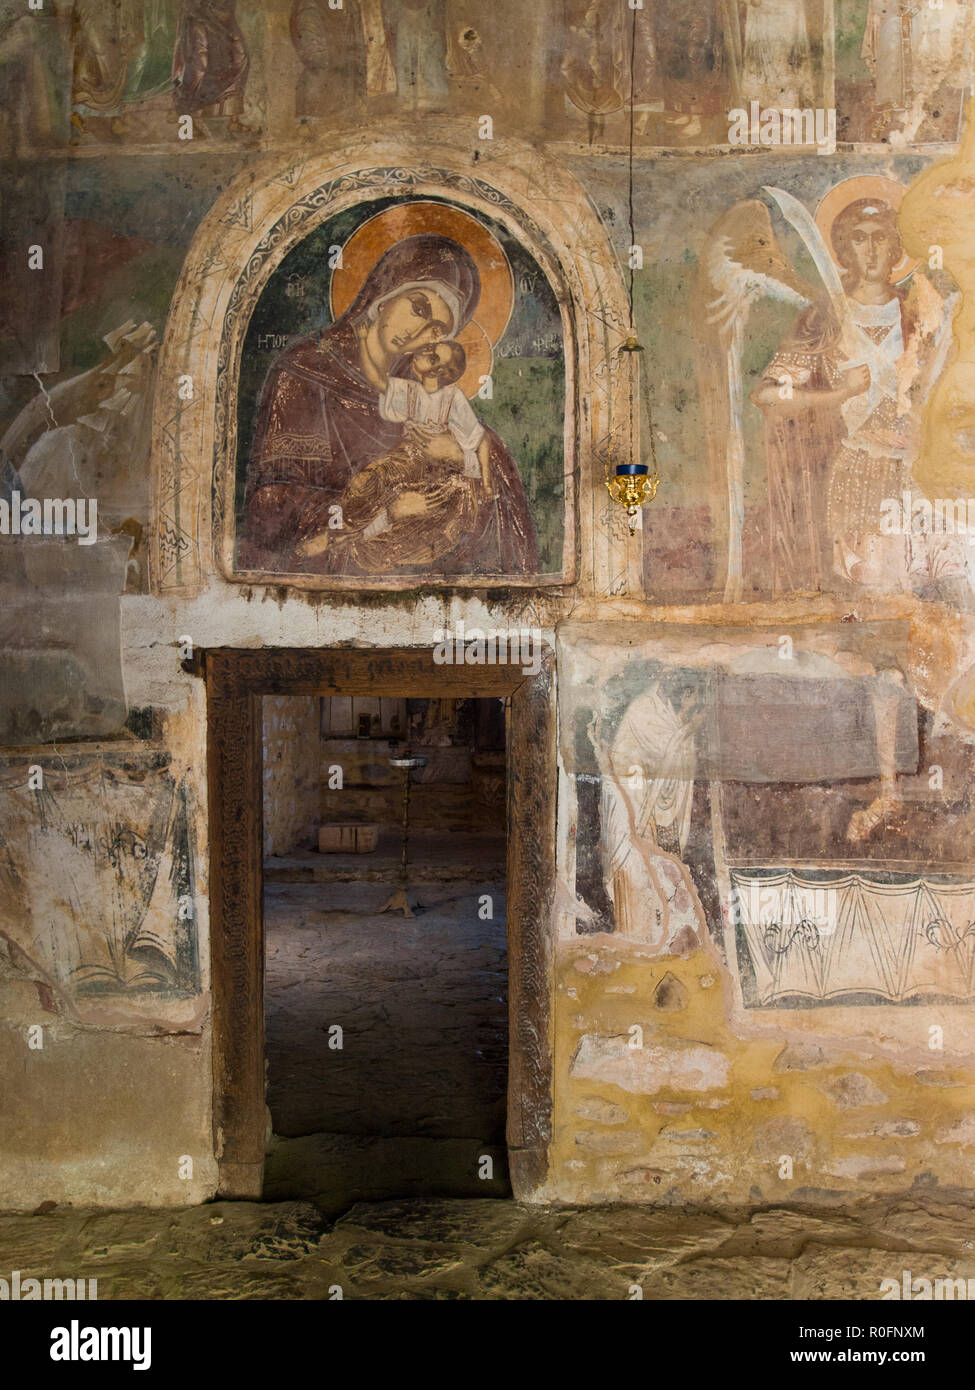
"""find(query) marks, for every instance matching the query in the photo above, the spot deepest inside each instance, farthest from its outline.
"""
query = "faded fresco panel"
(903, 72)
(152, 72)
(791, 347)
(99, 879)
(808, 836)
(890, 73)
(35, 84)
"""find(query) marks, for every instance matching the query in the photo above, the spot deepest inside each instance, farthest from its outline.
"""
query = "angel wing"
(741, 265)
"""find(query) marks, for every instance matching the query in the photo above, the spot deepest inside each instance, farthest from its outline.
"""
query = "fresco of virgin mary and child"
(369, 455)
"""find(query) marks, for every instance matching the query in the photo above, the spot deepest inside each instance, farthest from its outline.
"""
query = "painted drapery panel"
(99, 876)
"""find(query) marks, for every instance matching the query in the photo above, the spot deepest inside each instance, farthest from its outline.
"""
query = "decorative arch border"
(276, 204)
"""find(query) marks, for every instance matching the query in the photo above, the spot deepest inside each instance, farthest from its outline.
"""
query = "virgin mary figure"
(319, 423)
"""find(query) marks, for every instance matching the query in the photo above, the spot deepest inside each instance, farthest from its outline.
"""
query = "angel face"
(874, 251)
(866, 241)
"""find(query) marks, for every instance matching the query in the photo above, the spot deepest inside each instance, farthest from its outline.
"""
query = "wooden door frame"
(236, 681)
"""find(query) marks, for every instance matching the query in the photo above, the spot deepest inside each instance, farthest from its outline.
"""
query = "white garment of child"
(447, 408)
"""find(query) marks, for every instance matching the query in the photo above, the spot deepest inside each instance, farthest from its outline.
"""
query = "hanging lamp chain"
(633, 343)
(633, 484)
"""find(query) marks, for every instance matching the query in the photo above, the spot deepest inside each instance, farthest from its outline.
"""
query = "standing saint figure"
(777, 66)
(697, 56)
(122, 58)
(320, 423)
(332, 49)
(915, 50)
(210, 62)
(31, 79)
(420, 53)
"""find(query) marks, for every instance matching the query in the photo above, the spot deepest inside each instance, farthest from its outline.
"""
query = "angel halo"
(879, 197)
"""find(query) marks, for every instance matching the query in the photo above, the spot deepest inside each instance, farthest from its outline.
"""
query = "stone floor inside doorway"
(413, 1101)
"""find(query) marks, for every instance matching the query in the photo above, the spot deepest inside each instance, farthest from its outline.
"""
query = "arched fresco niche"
(264, 388)
(401, 407)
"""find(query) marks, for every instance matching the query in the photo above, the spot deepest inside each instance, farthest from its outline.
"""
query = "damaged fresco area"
(296, 68)
(98, 874)
(663, 1097)
(771, 915)
(790, 797)
(889, 74)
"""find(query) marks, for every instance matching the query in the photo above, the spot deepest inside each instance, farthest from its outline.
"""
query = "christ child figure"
(413, 506)
(432, 399)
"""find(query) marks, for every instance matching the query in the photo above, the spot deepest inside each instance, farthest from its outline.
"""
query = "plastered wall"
(762, 926)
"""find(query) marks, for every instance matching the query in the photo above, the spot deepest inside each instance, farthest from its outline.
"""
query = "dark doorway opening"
(237, 682)
(386, 1033)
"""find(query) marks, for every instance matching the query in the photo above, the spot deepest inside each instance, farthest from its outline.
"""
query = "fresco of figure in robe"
(331, 46)
(777, 61)
(34, 79)
(914, 51)
(903, 69)
(419, 47)
(379, 441)
(210, 62)
(594, 64)
(645, 817)
(597, 71)
(419, 55)
(841, 397)
(683, 78)
(698, 57)
(122, 61)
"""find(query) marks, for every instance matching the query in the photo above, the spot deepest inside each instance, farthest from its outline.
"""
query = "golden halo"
(372, 240)
(849, 191)
(480, 358)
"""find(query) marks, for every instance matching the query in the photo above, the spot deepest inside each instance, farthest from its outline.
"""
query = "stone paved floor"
(416, 1094)
(484, 1250)
(434, 856)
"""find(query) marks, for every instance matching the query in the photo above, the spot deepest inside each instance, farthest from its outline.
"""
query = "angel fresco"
(368, 457)
(840, 397)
